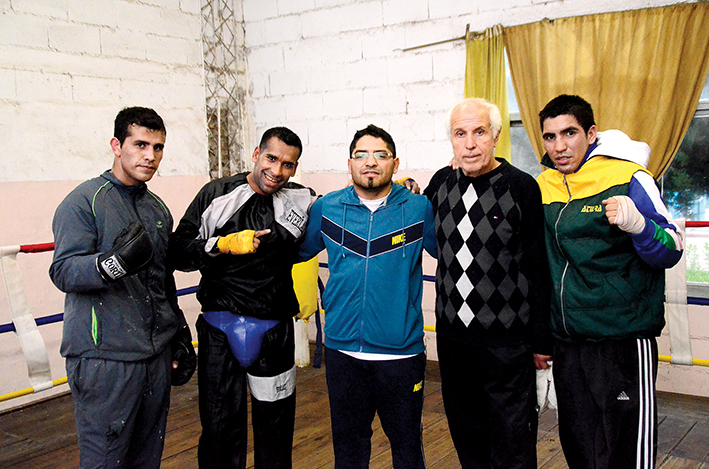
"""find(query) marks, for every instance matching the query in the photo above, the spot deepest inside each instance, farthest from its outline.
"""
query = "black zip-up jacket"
(129, 319)
(258, 285)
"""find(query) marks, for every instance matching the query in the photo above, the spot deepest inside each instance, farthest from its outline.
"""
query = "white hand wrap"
(629, 219)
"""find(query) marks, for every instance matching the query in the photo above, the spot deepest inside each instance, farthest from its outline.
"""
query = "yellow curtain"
(485, 77)
(642, 71)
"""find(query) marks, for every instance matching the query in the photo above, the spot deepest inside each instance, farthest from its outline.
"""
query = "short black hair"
(568, 104)
(142, 116)
(377, 132)
(283, 134)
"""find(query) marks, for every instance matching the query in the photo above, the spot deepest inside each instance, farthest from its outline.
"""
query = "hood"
(616, 144)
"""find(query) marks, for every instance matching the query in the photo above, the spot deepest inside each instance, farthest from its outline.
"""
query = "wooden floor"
(43, 435)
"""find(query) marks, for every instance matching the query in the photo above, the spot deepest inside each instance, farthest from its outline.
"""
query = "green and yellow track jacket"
(606, 283)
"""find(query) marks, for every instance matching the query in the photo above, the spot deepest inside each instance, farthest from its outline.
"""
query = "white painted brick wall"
(126, 44)
(7, 84)
(103, 13)
(174, 50)
(405, 11)
(75, 38)
(180, 24)
(304, 108)
(385, 100)
(344, 48)
(382, 42)
(367, 73)
(69, 66)
(448, 63)
(92, 90)
(193, 6)
(268, 57)
(342, 103)
(256, 10)
(330, 132)
(357, 16)
(288, 82)
(321, 78)
(48, 8)
(276, 30)
(30, 31)
(166, 4)
(287, 7)
(40, 86)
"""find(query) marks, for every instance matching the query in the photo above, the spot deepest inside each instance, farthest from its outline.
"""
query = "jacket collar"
(397, 195)
(134, 189)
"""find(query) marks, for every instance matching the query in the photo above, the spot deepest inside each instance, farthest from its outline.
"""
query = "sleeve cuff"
(211, 246)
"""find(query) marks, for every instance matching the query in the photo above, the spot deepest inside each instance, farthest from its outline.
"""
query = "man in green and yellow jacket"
(609, 238)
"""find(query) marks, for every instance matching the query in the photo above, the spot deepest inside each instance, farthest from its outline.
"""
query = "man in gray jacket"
(125, 338)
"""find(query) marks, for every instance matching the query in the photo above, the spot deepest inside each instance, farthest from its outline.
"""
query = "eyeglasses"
(378, 155)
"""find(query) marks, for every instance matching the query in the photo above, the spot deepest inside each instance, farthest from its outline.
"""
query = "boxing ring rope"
(25, 325)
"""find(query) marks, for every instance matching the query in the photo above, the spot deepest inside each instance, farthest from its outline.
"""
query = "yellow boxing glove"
(409, 183)
(403, 181)
(241, 242)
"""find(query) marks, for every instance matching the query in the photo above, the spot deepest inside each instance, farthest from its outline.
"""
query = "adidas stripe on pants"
(607, 403)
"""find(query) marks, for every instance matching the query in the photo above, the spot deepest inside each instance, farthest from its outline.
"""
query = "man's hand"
(453, 163)
(184, 360)
(541, 362)
(621, 211)
(410, 184)
(241, 242)
(132, 251)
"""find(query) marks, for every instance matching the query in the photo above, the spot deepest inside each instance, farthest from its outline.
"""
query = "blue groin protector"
(244, 333)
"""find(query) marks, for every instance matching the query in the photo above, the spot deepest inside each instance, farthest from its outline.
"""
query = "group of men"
(568, 268)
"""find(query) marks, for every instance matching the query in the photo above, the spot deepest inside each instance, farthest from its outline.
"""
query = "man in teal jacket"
(609, 238)
(374, 232)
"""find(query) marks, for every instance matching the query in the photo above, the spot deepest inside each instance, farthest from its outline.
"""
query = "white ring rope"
(26, 330)
(676, 310)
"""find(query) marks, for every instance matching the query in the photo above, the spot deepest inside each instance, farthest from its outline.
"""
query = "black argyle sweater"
(492, 279)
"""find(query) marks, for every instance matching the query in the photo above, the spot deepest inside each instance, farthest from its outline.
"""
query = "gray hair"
(493, 113)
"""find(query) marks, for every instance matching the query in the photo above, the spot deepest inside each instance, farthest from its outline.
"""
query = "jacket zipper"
(566, 266)
(146, 276)
(366, 275)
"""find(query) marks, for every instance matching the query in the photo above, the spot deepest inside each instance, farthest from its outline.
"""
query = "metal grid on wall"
(222, 36)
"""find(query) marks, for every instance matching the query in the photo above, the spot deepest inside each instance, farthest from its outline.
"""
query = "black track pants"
(607, 403)
(490, 398)
(223, 400)
(393, 389)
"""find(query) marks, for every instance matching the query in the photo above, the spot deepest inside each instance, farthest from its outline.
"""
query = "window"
(685, 188)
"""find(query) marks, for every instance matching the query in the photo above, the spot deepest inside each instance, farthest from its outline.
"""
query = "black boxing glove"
(132, 251)
(183, 357)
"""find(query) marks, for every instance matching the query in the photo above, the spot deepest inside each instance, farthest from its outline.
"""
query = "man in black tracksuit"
(125, 338)
(241, 233)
